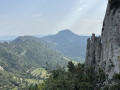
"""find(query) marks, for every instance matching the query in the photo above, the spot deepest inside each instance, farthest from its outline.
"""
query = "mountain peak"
(65, 32)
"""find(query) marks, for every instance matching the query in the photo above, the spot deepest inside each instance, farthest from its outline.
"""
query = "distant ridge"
(25, 38)
(65, 42)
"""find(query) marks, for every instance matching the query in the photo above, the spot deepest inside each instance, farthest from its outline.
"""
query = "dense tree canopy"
(75, 78)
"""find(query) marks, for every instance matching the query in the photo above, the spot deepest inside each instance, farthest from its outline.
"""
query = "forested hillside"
(22, 57)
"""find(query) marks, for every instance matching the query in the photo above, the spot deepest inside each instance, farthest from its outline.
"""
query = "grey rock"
(93, 51)
(104, 52)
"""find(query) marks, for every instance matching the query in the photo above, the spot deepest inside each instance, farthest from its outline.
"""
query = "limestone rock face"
(110, 59)
(93, 51)
(105, 52)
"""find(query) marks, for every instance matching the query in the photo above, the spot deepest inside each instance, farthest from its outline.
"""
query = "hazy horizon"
(46, 34)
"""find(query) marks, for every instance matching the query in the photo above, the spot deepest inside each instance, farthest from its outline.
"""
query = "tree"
(71, 67)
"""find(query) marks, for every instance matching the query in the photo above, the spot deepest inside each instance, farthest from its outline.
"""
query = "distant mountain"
(10, 38)
(68, 43)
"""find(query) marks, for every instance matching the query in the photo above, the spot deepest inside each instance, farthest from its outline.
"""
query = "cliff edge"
(104, 51)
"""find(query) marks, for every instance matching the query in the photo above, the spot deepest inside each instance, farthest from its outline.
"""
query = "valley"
(37, 52)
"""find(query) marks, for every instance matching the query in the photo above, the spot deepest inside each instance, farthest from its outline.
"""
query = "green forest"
(24, 62)
(77, 77)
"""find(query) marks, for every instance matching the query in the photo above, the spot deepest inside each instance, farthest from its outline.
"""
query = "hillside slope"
(28, 53)
(24, 56)
(68, 43)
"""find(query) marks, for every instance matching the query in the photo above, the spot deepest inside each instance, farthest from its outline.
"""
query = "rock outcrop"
(105, 52)
(93, 53)
(1, 68)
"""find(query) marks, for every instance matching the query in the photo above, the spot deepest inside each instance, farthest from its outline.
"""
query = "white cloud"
(79, 9)
(37, 15)
(80, 5)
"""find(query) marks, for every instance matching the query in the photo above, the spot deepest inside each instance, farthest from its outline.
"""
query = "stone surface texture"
(104, 51)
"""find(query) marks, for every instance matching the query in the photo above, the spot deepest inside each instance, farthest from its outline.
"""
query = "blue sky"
(36, 17)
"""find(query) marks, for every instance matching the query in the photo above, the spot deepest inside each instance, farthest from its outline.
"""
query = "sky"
(37, 17)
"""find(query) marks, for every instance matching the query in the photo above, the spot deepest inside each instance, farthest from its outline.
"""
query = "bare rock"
(104, 52)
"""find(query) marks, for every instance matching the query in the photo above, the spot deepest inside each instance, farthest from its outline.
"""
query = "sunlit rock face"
(111, 40)
(106, 53)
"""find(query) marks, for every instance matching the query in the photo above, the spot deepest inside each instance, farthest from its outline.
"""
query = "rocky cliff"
(104, 52)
